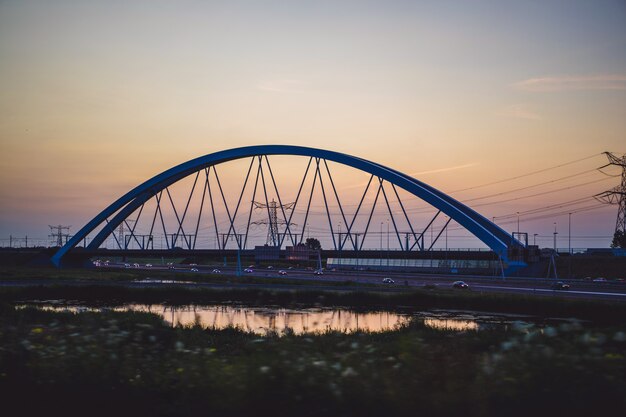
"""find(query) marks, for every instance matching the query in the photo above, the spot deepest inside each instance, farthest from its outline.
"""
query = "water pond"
(263, 320)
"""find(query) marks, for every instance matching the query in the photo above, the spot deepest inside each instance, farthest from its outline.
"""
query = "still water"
(263, 320)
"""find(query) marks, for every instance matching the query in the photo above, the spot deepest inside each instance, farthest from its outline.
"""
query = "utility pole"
(387, 243)
(535, 239)
(555, 233)
(616, 195)
(569, 244)
(569, 234)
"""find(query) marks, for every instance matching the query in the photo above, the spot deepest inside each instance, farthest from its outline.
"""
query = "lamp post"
(518, 224)
(569, 245)
(535, 239)
(387, 235)
(555, 233)
(569, 234)
(339, 233)
(387, 243)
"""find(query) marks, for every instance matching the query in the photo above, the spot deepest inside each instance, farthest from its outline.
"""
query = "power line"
(526, 175)
(547, 208)
(530, 186)
(616, 195)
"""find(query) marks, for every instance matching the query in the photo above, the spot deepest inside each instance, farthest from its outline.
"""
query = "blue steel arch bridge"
(222, 200)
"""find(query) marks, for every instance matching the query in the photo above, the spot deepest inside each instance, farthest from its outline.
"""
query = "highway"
(610, 290)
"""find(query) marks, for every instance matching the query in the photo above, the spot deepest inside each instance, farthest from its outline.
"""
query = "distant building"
(266, 253)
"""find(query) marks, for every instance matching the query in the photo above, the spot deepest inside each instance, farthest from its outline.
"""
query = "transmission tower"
(273, 238)
(616, 195)
(57, 235)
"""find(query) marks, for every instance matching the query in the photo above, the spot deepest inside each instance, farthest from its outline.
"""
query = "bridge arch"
(489, 233)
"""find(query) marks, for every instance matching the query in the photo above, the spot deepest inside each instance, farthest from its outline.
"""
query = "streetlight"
(535, 239)
(387, 243)
(387, 235)
(569, 244)
(518, 224)
(339, 233)
(569, 234)
(555, 233)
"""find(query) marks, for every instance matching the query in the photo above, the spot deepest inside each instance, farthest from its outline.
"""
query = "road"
(402, 281)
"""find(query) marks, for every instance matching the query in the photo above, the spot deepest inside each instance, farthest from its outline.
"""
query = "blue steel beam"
(486, 231)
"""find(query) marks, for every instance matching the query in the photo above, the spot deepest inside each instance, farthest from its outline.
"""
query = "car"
(136, 265)
(126, 265)
(318, 272)
(388, 281)
(270, 267)
(291, 267)
(248, 270)
(193, 264)
(560, 285)
(149, 265)
(460, 284)
(216, 271)
(599, 279)
(194, 269)
(282, 272)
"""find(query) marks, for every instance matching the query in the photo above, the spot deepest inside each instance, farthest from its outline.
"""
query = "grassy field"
(599, 312)
(134, 364)
(8, 273)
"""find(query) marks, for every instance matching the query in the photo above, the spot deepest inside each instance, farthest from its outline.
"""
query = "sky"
(98, 96)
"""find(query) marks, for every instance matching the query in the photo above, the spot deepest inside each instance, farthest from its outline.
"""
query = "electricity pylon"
(57, 234)
(616, 195)
(273, 237)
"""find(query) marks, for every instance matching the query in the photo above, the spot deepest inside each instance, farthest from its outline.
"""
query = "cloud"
(434, 171)
(374, 183)
(281, 86)
(568, 83)
(520, 111)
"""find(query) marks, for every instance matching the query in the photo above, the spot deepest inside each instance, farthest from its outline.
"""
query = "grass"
(134, 364)
(601, 312)
(121, 275)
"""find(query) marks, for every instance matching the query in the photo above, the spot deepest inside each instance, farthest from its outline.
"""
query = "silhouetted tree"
(313, 243)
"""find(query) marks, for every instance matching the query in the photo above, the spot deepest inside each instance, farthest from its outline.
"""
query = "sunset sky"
(98, 96)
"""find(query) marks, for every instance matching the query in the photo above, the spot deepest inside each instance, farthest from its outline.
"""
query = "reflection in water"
(451, 324)
(264, 320)
(280, 320)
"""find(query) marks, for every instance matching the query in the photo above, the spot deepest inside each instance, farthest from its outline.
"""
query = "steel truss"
(280, 224)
